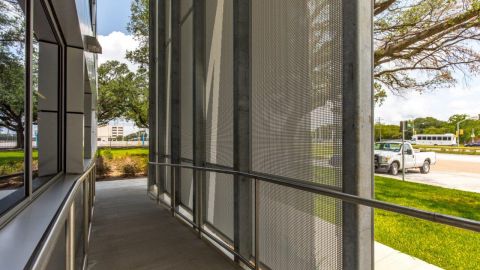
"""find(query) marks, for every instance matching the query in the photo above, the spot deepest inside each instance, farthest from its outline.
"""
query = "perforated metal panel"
(296, 89)
(168, 174)
(186, 95)
(219, 113)
(186, 188)
(219, 82)
(219, 203)
(296, 95)
(299, 230)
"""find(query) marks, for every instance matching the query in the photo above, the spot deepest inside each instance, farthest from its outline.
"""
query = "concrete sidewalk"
(454, 180)
(387, 258)
(129, 232)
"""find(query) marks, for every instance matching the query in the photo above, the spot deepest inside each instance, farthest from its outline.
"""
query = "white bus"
(434, 139)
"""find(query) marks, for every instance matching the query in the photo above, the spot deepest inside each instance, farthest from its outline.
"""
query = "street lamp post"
(458, 130)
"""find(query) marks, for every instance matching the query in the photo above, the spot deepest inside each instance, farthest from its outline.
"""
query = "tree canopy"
(12, 69)
(122, 94)
(419, 44)
(431, 125)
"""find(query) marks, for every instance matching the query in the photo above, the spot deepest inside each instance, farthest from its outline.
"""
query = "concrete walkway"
(454, 180)
(387, 258)
(131, 232)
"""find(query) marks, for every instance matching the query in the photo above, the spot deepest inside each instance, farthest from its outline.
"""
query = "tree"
(121, 94)
(138, 27)
(387, 132)
(12, 69)
(12, 94)
(420, 43)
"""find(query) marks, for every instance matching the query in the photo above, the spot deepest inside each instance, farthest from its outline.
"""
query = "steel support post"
(175, 80)
(152, 155)
(161, 112)
(243, 216)
(357, 132)
(199, 119)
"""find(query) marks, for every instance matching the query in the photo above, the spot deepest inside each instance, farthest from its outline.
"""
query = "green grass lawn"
(7, 157)
(460, 150)
(438, 244)
(121, 152)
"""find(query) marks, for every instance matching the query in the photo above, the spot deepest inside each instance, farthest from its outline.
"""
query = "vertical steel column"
(175, 82)
(28, 106)
(152, 58)
(241, 114)
(161, 115)
(357, 132)
(199, 117)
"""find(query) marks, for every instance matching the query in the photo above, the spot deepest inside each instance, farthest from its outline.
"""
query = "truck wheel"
(425, 168)
(394, 168)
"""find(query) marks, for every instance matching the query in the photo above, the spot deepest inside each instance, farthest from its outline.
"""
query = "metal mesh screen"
(299, 230)
(186, 187)
(219, 113)
(296, 129)
(168, 27)
(296, 89)
(219, 82)
(168, 174)
(186, 95)
(219, 203)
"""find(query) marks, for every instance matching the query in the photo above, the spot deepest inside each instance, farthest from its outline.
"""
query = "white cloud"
(441, 103)
(115, 46)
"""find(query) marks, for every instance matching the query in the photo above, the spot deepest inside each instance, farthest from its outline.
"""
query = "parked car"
(388, 158)
(473, 144)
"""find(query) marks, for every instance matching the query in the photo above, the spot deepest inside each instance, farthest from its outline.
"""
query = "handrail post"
(70, 237)
(256, 223)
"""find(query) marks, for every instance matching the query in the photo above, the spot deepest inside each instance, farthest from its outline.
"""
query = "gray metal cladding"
(219, 113)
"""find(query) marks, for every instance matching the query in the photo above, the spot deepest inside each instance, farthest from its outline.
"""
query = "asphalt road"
(460, 172)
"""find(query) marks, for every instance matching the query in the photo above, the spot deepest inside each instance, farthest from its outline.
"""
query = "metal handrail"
(58, 226)
(458, 222)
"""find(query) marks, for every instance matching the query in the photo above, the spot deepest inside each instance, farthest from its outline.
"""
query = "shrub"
(103, 168)
(107, 153)
(129, 168)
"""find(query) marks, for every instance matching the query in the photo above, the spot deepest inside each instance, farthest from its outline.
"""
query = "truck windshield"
(394, 147)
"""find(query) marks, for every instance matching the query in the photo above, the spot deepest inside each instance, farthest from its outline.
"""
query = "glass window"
(45, 93)
(407, 147)
(12, 103)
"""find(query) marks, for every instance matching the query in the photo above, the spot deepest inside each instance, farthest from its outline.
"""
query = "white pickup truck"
(388, 157)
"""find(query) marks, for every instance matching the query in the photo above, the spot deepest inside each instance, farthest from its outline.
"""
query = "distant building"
(109, 131)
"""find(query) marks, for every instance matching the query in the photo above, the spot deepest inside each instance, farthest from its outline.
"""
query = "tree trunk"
(20, 138)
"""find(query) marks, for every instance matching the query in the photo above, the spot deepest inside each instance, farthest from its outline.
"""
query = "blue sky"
(113, 15)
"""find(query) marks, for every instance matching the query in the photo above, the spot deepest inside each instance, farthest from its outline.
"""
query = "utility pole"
(403, 149)
(380, 127)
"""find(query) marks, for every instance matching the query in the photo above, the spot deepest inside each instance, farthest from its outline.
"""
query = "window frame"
(16, 204)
